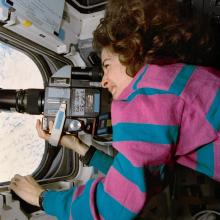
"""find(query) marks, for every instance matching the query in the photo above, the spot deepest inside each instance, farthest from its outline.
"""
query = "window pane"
(21, 150)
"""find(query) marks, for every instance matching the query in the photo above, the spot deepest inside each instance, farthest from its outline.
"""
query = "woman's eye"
(106, 66)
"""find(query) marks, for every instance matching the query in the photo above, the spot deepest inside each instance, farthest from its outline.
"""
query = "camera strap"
(58, 125)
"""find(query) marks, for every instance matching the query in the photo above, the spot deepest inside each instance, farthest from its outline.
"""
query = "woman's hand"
(41, 133)
(68, 140)
(74, 143)
(26, 188)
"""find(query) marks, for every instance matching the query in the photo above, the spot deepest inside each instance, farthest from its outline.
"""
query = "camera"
(76, 87)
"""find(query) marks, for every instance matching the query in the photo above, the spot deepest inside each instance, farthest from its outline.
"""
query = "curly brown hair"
(148, 31)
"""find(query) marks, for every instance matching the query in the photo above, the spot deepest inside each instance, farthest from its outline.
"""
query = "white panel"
(45, 14)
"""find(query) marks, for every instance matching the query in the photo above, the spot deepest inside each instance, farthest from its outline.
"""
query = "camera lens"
(29, 101)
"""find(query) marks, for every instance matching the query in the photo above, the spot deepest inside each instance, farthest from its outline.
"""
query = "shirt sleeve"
(97, 159)
(101, 161)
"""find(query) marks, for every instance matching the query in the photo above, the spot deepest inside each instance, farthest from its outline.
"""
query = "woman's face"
(115, 78)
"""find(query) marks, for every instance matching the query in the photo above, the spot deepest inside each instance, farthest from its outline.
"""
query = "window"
(21, 150)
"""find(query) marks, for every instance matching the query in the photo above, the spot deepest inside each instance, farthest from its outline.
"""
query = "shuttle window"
(21, 150)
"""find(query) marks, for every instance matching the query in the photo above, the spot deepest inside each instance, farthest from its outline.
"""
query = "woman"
(164, 111)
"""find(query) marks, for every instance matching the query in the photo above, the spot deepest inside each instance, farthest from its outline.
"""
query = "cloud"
(19, 71)
(21, 149)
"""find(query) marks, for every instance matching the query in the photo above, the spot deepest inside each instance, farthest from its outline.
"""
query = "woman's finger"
(17, 177)
(50, 126)
(41, 133)
(38, 124)
(31, 180)
(12, 185)
(38, 127)
(16, 185)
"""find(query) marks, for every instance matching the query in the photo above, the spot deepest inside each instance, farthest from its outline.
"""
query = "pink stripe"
(217, 158)
(195, 130)
(214, 73)
(124, 191)
(201, 80)
(188, 160)
(71, 217)
(140, 153)
(92, 200)
(78, 191)
(157, 109)
(160, 77)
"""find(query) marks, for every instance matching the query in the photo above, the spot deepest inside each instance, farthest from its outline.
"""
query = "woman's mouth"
(112, 90)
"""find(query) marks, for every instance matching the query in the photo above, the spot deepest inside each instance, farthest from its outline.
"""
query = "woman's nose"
(104, 82)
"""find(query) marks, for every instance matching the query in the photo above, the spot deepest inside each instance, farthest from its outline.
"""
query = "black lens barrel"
(30, 101)
(93, 74)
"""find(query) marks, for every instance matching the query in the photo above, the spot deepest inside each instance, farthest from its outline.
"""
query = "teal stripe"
(81, 206)
(213, 115)
(109, 208)
(146, 91)
(157, 134)
(205, 159)
(176, 88)
(181, 80)
(140, 78)
(134, 174)
(101, 161)
(62, 199)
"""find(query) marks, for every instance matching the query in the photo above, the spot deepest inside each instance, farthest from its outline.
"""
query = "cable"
(206, 215)
(89, 7)
(102, 140)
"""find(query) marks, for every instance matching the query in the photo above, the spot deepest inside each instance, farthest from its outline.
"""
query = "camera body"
(76, 88)
(79, 89)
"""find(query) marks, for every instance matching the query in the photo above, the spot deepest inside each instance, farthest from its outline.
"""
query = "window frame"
(47, 62)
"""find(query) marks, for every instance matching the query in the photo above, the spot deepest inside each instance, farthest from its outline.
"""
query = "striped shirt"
(167, 114)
